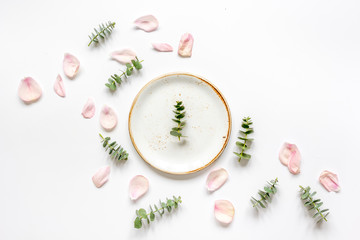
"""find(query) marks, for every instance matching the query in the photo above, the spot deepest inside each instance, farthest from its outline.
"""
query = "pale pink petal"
(185, 45)
(147, 23)
(216, 179)
(70, 65)
(101, 176)
(29, 90)
(89, 109)
(59, 86)
(330, 181)
(108, 118)
(224, 211)
(290, 156)
(162, 47)
(138, 186)
(123, 56)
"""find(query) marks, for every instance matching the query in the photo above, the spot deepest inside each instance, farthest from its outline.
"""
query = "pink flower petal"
(186, 44)
(147, 23)
(101, 176)
(290, 156)
(70, 65)
(330, 181)
(89, 109)
(224, 211)
(123, 56)
(108, 118)
(59, 86)
(29, 90)
(138, 186)
(216, 179)
(162, 47)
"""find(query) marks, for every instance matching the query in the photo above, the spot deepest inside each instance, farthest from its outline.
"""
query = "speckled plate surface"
(207, 129)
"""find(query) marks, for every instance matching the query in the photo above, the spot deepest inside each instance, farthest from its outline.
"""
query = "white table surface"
(293, 66)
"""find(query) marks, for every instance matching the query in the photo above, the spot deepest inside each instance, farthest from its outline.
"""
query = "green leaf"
(268, 190)
(137, 223)
(242, 145)
(305, 196)
(246, 156)
(152, 216)
(176, 134)
(180, 116)
(319, 205)
(177, 121)
(170, 203)
(249, 131)
(261, 204)
(237, 154)
(142, 213)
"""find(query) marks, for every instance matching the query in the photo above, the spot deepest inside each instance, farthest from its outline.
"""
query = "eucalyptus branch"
(117, 79)
(102, 32)
(307, 196)
(179, 114)
(265, 196)
(246, 141)
(115, 150)
(168, 205)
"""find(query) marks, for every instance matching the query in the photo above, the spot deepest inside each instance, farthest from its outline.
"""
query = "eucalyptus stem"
(179, 114)
(247, 129)
(103, 31)
(168, 205)
(314, 204)
(265, 196)
(115, 150)
(117, 79)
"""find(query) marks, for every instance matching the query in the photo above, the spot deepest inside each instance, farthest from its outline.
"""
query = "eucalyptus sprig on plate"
(312, 203)
(115, 151)
(102, 32)
(150, 216)
(117, 79)
(245, 141)
(265, 196)
(179, 114)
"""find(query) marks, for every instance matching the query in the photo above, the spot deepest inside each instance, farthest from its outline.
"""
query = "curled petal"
(216, 179)
(330, 181)
(101, 176)
(290, 156)
(186, 44)
(224, 211)
(29, 90)
(139, 185)
(108, 118)
(162, 47)
(147, 23)
(59, 86)
(123, 56)
(70, 65)
(88, 109)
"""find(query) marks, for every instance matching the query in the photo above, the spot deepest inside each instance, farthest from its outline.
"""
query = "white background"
(293, 66)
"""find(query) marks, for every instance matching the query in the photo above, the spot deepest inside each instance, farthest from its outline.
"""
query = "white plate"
(207, 129)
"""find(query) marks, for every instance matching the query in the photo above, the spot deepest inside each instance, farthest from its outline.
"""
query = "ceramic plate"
(207, 129)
